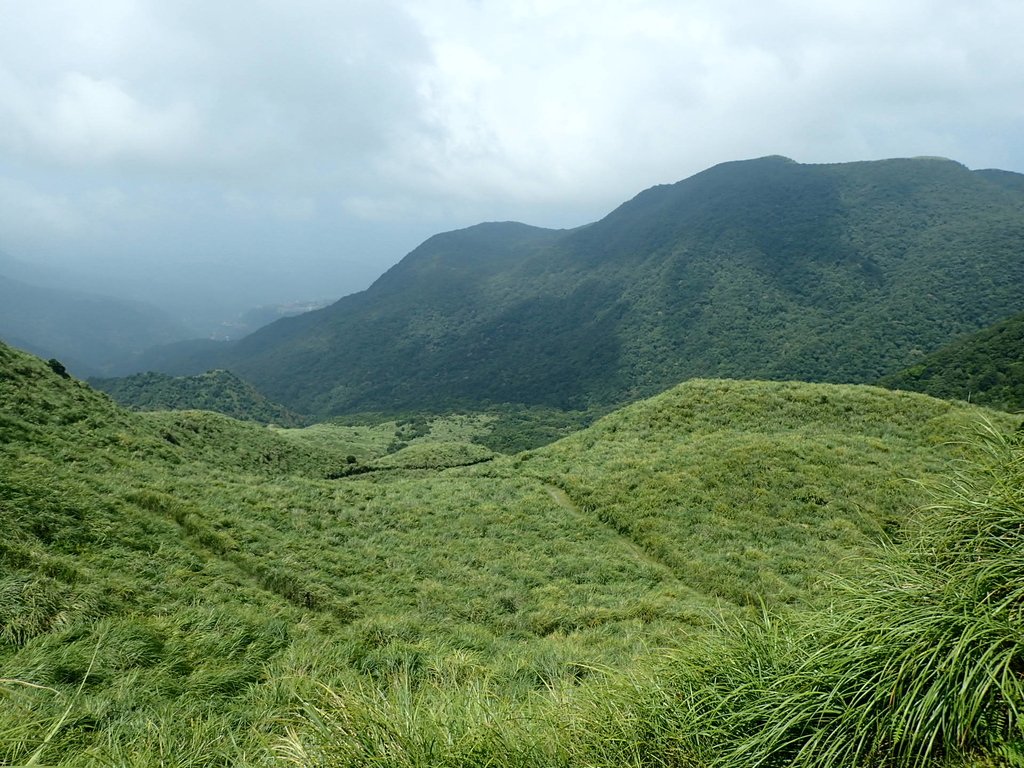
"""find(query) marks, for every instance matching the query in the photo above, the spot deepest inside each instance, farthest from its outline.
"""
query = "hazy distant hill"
(191, 355)
(757, 269)
(986, 367)
(91, 334)
(219, 391)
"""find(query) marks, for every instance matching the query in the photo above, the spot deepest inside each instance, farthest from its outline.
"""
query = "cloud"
(25, 212)
(200, 122)
(284, 92)
(90, 121)
(523, 101)
(546, 100)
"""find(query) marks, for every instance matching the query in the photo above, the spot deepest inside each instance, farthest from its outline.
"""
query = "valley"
(762, 269)
(511, 385)
(173, 577)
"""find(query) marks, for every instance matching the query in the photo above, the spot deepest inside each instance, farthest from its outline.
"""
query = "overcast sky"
(296, 149)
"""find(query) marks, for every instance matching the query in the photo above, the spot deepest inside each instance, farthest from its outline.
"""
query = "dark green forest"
(986, 367)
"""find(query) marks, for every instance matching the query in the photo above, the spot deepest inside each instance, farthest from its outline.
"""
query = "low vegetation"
(917, 662)
(726, 574)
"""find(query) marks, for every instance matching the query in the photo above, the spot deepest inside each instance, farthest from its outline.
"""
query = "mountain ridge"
(92, 334)
(217, 390)
(762, 268)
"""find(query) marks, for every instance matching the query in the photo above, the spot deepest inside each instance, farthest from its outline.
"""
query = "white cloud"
(518, 101)
(92, 121)
(306, 91)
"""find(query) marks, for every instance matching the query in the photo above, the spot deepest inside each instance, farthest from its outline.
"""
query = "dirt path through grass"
(563, 500)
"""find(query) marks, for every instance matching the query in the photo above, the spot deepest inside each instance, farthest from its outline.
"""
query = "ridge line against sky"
(164, 148)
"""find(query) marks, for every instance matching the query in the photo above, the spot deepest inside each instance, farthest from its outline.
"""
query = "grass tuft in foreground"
(921, 662)
(412, 725)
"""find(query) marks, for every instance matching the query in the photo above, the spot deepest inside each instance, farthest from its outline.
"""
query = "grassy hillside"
(752, 490)
(219, 391)
(986, 367)
(179, 588)
(763, 269)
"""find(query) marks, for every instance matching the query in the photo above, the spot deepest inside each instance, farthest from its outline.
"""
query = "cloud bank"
(314, 143)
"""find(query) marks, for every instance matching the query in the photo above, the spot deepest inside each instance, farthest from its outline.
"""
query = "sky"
(210, 155)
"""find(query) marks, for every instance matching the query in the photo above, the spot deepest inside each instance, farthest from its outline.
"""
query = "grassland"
(184, 589)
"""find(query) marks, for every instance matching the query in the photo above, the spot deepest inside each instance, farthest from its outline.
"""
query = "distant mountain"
(92, 335)
(986, 367)
(31, 272)
(218, 391)
(191, 355)
(763, 268)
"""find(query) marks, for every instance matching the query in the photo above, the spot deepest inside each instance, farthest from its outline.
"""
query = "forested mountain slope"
(756, 269)
(986, 367)
(219, 391)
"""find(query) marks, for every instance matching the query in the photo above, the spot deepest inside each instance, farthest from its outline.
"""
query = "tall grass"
(919, 663)
(433, 724)
(499, 614)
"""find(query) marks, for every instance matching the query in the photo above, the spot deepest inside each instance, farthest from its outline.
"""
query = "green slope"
(751, 491)
(219, 391)
(176, 587)
(986, 367)
(758, 269)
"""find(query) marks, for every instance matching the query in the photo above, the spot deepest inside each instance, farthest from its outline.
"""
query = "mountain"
(91, 334)
(755, 269)
(186, 588)
(986, 367)
(218, 391)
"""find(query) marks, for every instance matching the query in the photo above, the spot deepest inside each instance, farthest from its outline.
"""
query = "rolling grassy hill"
(986, 367)
(182, 588)
(765, 269)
